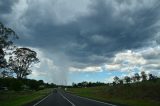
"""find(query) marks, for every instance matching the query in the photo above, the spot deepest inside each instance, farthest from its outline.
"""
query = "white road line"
(41, 100)
(67, 100)
(94, 100)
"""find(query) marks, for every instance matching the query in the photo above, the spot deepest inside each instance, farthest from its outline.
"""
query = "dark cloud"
(108, 28)
(131, 29)
(6, 6)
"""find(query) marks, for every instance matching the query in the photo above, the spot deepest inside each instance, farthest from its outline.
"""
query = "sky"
(87, 40)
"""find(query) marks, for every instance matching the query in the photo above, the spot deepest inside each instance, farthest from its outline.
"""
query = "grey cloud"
(6, 6)
(122, 33)
(118, 29)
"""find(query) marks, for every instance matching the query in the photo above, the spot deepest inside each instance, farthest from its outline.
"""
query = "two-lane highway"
(61, 98)
(54, 99)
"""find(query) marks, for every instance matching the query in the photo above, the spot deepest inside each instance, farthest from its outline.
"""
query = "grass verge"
(101, 94)
(12, 98)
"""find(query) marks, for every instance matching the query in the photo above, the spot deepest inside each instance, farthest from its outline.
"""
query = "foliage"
(16, 85)
(24, 84)
(134, 79)
(152, 77)
(6, 42)
(144, 76)
(127, 79)
(137, 77)
(21, 61)
(88, 84)
(116, 79)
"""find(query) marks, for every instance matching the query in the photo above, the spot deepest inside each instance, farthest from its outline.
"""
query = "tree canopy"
(6, 41)
(21, 61)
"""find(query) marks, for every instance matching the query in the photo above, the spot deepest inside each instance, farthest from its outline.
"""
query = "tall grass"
(146, 93)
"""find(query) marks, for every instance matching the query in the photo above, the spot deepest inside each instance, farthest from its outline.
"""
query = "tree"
(33, 84)
(121, 82)
(6, 42)
(127, 79)
(21, 61)
(152, 77)
(137, 77)
(143, 76)
(114, 83)
(16, 85)
(74, 84)
(116, 79)
(133, 78)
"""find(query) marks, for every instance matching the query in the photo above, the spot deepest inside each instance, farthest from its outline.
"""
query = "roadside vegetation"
(138, 90)
(14, 84)
(20, 98)
(15, 66)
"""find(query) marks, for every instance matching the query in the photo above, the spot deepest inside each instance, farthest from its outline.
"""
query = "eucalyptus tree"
(137, 77)
(21, 61)
(116, 80)
(127, 79)
(143, 76)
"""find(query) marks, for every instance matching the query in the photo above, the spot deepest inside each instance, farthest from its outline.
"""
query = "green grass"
(141, 94)
(12, 98)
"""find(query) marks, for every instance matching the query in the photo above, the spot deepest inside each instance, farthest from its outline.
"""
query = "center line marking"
(67, 100)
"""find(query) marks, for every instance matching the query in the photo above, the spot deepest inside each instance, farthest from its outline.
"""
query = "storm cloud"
(84, 33)
(6, 6)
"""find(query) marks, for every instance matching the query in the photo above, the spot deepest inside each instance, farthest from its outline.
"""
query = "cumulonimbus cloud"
(87, 33)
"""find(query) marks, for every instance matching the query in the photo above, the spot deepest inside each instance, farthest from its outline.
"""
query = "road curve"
(61, 98)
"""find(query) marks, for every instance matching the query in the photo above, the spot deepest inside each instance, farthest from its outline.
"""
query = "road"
(61, 98)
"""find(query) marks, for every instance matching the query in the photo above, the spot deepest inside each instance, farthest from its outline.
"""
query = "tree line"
(87, 84)
(24, 84)
(135, 78)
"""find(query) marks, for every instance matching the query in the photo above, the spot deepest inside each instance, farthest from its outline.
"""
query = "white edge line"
(67, 100)
(41, 100)
(94, 100)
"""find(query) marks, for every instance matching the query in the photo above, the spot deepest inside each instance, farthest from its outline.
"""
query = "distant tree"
(74, 84)
(143, 76)
(116, 79)
(113, 83)
(21, 61)
(133, 78)
(79, 85)
(33, 84)
(152, 77)
(90, 84)
(40, 82)
(127, 79)
(6, 42)
(84, 84)
(52, 85)
(137, 77)
(121, 82)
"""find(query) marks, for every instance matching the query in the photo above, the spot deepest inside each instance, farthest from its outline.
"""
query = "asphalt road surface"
(60, 98)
